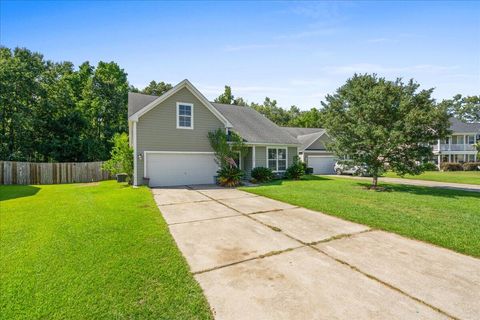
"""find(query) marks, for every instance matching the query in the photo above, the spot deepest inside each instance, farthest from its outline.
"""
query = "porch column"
(464, 142)
(450, 145)
(253, 157)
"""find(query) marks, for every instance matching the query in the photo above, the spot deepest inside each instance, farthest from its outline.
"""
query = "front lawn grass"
(448, 218)
(91, 251)
(469, 177)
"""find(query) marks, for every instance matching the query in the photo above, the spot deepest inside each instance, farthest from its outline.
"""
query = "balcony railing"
(454, 147)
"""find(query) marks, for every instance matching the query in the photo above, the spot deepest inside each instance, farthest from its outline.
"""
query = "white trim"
(134, 138)
(191, 115)
(253, 157)
(145, 153)
(183, 84)
(286, 158)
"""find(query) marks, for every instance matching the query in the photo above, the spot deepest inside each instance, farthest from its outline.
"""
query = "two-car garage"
(179, 168)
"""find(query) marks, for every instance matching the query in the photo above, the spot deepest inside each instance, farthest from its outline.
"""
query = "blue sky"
(295, 52)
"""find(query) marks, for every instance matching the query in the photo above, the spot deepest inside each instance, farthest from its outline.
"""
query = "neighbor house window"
(277, 159)
(470, 139)
(184, 115)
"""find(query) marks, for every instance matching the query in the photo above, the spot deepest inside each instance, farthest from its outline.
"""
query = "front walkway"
(258, 258)
(421, 183)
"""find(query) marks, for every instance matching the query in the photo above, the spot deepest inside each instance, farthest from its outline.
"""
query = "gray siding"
(157, 129)
(292, 153)
(260, 156)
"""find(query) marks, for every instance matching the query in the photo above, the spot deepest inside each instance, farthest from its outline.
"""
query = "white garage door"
(174, 169)
(321, 164)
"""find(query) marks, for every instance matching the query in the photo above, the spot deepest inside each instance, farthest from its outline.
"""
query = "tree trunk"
(374, 182)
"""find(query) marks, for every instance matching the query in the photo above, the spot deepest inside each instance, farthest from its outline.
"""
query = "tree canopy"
(378, 123)
(466, 109)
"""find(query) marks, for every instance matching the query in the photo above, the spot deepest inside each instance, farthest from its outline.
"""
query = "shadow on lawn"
(425, 191)
(17, 191)
(279, 182)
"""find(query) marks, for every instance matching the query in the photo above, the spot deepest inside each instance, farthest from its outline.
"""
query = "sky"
(294, 52)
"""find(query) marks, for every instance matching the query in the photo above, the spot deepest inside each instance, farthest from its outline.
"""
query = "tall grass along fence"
(12, 172)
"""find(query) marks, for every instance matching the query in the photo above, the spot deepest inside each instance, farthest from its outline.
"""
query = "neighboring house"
(459, 147)
(169, 137)
(313, 148)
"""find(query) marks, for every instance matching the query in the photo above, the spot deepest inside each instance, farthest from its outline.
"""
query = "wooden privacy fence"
(12, 172)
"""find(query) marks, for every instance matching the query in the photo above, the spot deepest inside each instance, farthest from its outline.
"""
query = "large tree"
(52, 112)
(464, 108)
(156, 88)
(383, 123)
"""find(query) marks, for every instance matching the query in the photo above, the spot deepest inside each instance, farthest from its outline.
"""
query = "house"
(169, 137)
(459, 146)
(313, 148)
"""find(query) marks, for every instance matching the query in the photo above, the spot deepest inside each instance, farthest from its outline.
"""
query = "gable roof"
(458, 126)
(253, 126)
(306, 136)
(136, 100)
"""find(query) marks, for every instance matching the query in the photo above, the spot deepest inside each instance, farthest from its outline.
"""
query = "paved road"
(422, 183)
(258, 258)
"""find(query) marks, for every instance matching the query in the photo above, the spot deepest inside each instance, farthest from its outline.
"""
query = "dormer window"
(184, 115)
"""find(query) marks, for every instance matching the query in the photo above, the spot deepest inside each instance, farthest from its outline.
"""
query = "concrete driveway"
(258, 258)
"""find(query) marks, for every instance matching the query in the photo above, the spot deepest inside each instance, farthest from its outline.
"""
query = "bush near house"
(296, 170)
(262, 174)
(471, 166)
(450, 166)
(429, 166)
(230, 176)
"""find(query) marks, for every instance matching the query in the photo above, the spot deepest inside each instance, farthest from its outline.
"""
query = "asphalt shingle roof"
(458, 126)
(253, 126)
(137, 101)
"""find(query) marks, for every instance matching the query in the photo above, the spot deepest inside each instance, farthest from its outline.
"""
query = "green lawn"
(88, 251)
(448, 218)
(471, 177)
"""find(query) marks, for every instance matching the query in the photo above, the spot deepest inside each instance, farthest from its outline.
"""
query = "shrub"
(296, 170)
(471, 166)
(121, 160)
(429, 166)
(261, 174)
(230, 176)
(450, 166)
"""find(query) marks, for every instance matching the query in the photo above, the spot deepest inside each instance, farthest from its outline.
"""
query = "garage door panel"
(172, 169)
(321, 164)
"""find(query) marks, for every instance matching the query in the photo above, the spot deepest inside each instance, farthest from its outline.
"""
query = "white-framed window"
(277, 159)
(470, 139)
(184, 115)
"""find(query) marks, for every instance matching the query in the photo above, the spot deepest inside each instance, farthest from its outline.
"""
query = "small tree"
(121, 160)
(225, 147)
(378, 122)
